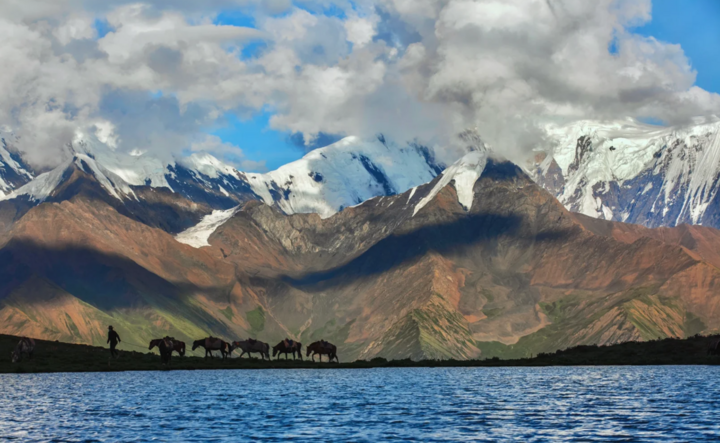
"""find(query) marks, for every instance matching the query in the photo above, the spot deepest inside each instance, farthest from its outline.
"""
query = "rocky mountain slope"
(479, 261)
(635, 173)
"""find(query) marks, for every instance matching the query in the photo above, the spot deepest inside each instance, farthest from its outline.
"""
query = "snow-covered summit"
(136, 169)
(345, 174)
(629, 171)
(462, 174)
(325, 181)
(43, 186)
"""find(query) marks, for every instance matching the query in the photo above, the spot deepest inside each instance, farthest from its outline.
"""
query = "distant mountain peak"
(638, 173)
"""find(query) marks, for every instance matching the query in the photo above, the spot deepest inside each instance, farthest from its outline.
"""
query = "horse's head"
(197, 343)
(153, 343)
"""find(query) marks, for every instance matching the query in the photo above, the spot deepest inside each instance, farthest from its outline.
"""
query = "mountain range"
(376, 247)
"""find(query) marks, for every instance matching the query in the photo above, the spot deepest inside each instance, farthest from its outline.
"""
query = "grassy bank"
(64, 357)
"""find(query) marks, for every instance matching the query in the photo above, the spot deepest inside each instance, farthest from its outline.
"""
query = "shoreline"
(58, 357)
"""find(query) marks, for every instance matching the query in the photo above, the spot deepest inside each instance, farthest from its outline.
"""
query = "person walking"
(113, 339)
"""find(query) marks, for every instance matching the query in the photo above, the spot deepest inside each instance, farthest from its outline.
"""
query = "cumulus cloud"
(424, 70)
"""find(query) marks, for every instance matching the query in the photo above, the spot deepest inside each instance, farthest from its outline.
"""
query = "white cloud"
(429, 69)
(360, 31)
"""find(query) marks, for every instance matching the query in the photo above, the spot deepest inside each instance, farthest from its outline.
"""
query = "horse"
(323, 348)
(212, 344)
(287, 346)
(178, 346)
(25, 346)
(251, 346)
(166, 347)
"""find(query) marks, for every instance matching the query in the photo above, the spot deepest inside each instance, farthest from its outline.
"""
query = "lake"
(418, 404)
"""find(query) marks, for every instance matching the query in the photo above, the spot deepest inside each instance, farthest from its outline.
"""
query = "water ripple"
(418, 404)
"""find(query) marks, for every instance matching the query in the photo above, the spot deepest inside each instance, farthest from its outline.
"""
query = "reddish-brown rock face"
(514, 275)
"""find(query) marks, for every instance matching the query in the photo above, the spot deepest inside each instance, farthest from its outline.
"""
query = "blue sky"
(695, 25)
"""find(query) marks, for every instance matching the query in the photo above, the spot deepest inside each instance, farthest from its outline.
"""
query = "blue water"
(429, 404)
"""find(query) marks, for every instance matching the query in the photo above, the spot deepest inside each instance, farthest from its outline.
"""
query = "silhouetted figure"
(113, 339)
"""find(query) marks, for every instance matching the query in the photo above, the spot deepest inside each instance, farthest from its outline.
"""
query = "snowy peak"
(44, 185)
(135, 169)
(462, 174)
(345, 174)
(628, 171)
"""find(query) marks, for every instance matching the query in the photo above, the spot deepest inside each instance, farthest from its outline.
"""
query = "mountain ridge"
(478, 261)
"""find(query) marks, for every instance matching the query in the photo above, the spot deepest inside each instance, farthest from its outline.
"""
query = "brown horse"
(323, 348)
(25, 346)
(213, 344)
(251, 346)
(288, 346)
(166, 347)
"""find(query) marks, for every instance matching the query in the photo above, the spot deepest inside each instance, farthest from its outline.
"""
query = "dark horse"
(323, 348)
(178, 346)
(213, 344)
(286, 347)
(251, 346)
(166, 347)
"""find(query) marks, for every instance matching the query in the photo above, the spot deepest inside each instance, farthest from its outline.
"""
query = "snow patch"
(412, 192)
(198, 235)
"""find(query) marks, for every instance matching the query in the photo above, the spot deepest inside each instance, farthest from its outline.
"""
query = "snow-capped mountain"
(13, 172)
(633, 172)
(462, 175)
(325, 181)
(344, 174)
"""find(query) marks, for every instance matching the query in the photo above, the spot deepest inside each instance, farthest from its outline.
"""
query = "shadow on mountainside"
(107, 282)
(456, 237)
